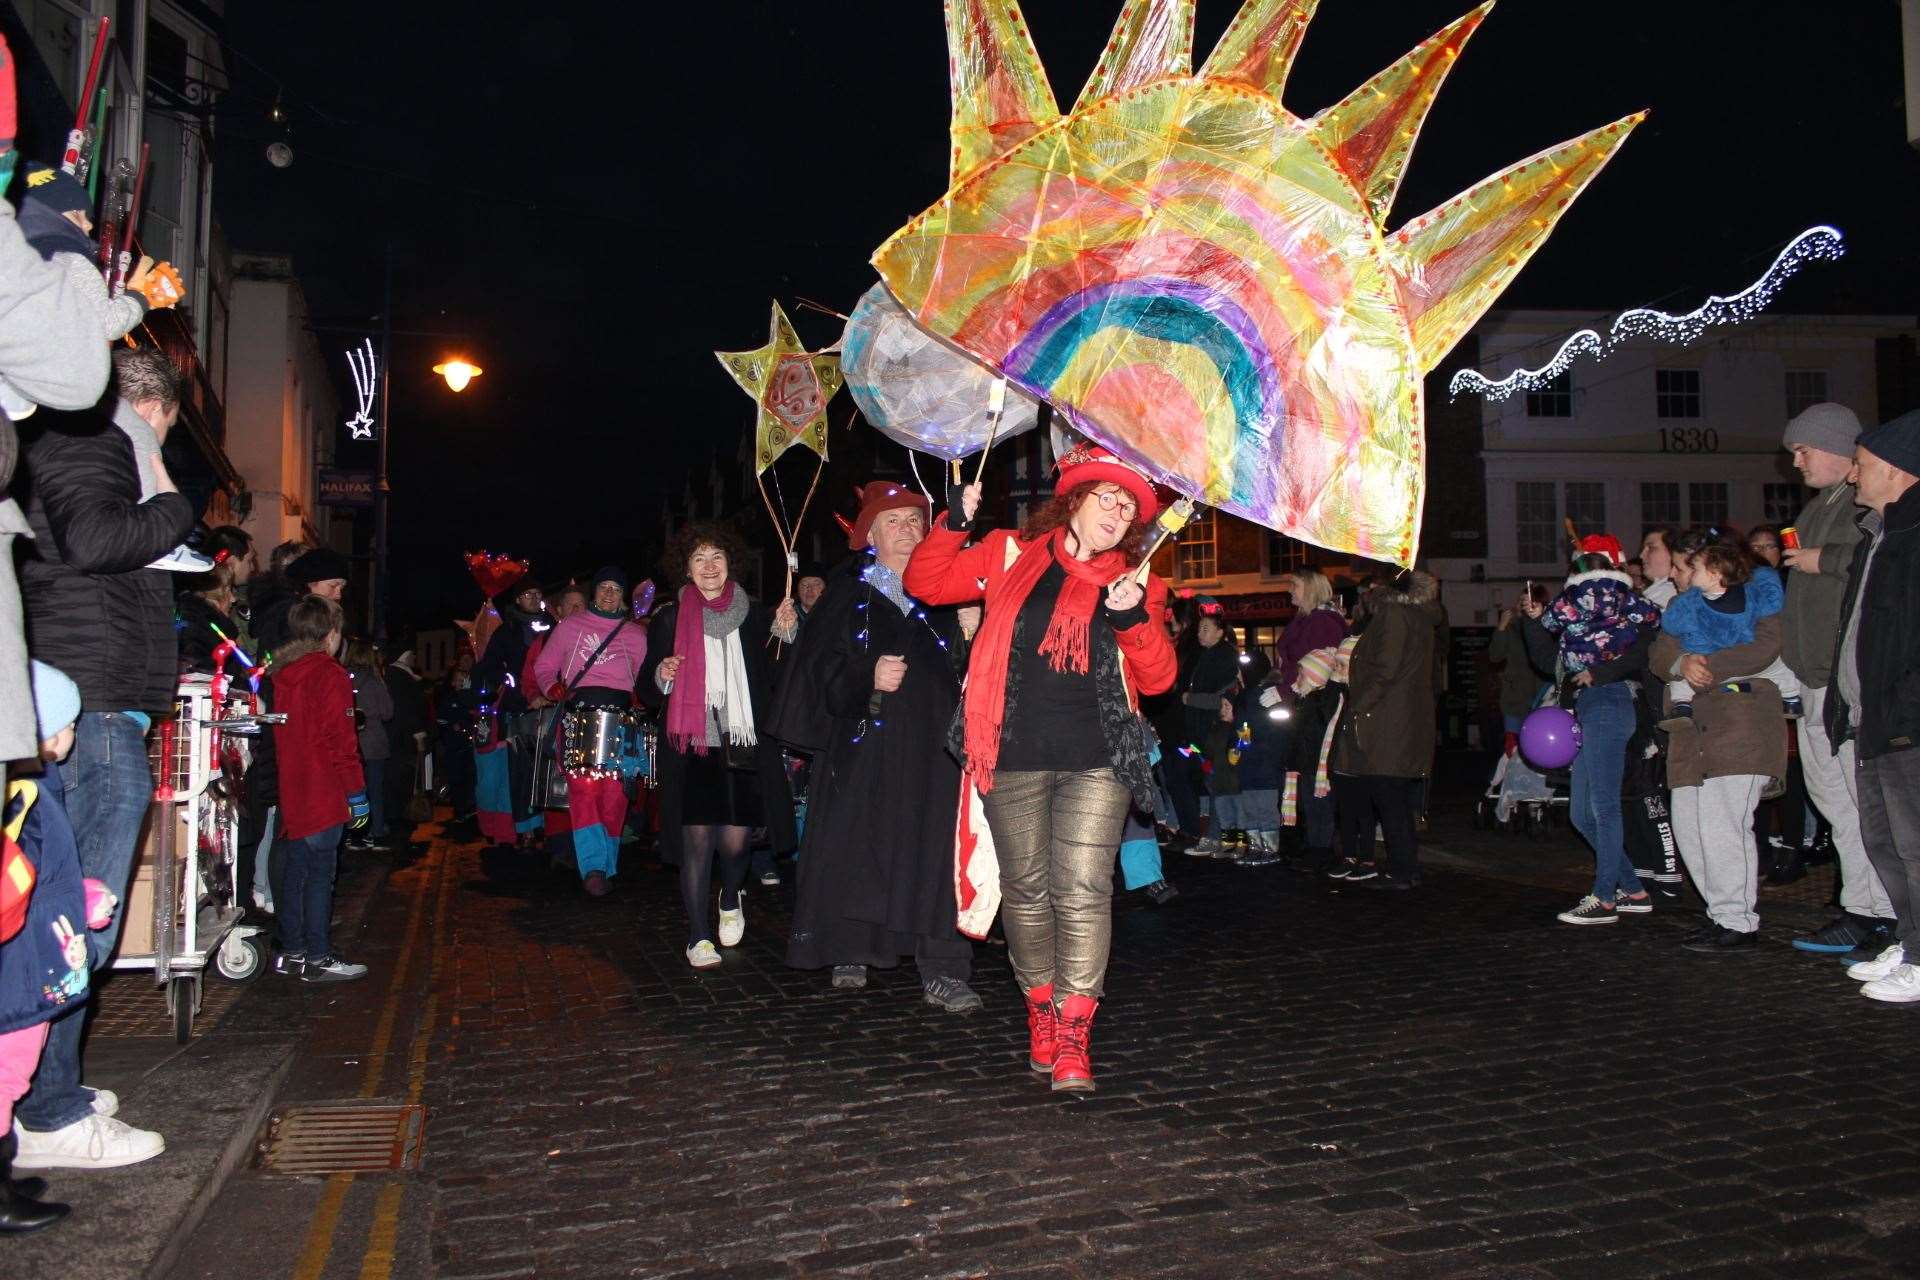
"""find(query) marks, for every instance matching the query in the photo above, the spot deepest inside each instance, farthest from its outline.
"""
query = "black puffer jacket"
(93, 608)
(1889, 644)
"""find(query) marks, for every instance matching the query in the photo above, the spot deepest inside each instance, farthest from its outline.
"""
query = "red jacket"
(318, 750)
(945, 570)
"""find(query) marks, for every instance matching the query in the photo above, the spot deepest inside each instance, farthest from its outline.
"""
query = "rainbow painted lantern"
(1202, 280)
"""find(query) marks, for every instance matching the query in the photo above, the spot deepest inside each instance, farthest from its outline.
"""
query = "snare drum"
(594, 739)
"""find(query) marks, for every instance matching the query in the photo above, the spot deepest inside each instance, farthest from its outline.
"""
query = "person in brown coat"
(1717, 766)
(1383, 747)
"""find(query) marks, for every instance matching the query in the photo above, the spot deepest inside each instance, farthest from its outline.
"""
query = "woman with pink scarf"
(719, 775)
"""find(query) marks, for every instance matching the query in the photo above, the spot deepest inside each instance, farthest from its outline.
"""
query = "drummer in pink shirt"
(593, 659)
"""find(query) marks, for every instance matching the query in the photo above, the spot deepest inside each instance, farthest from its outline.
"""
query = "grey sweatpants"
(1833, 785)
(1713, 825)
(1890, 826)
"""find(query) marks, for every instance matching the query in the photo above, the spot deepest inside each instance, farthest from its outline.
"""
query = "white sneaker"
(183, 559)
(1206, 847)
(91, 1142)
(106, 1102)
(1880, 966)
(733, 924)
(701, 955)
(1902, 986)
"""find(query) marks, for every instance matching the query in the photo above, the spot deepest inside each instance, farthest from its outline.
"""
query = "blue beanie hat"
(56, 699)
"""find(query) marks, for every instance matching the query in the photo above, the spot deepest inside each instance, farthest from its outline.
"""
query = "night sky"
(602, 197)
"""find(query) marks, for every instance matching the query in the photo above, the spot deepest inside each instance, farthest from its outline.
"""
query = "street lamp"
(458, 372)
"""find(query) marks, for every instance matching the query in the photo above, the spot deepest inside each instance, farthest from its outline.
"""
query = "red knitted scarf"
(1065, 643)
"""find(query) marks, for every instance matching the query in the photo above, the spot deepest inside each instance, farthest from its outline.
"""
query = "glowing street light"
(458, 373)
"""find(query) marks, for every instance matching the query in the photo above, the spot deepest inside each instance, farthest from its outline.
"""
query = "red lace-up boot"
(1043, 1029)
(1073, 1065)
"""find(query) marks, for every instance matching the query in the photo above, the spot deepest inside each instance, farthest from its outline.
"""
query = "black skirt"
(711, 794)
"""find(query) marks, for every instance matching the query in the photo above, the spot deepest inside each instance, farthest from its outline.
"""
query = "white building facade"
(1653, 435)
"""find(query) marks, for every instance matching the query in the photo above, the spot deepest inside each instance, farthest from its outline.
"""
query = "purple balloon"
(1550, 737)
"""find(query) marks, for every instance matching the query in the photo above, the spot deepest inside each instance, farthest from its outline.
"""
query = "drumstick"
(1171, 521)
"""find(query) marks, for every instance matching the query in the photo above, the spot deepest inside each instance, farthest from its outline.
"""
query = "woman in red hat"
(1069, 641)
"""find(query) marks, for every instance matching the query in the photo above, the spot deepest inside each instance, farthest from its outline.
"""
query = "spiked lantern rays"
(1204, 281)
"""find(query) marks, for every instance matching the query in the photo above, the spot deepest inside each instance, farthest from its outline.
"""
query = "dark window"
(1676, 393)
(1587, 506)
(1555, 400)
(1537, 522)
(1805, 388)
(1782, 502)
(1660, 503)
(1707, 504)
(1285, 554)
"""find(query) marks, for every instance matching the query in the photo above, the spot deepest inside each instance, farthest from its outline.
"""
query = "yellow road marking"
(383, 1032)
(326, 1217)
(317, 1247)
(377, 1262)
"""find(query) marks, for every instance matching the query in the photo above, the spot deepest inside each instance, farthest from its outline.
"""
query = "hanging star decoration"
(1205, 282)
(360, 425)
(791, 386)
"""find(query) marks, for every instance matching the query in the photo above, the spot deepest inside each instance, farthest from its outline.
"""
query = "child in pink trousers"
(45, 908)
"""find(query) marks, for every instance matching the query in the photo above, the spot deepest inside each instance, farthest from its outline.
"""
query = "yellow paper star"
(791, 385)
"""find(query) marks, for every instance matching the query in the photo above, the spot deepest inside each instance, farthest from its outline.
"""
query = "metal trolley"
(184, 907)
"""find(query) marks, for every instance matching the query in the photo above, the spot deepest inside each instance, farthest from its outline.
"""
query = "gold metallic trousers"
(1057, 835)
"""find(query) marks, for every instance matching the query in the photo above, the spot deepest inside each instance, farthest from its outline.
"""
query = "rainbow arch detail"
(1203, 281)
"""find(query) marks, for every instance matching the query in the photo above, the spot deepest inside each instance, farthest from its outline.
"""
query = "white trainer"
(733, 924)
(701, 955)
(1902, 986)
(106, 1102)
(91, 1142)
(1880, 966)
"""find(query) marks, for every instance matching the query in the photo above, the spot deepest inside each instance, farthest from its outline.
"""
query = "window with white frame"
(1781, 502)
(1536, 522)
(1586, 506)
(1194, 555)
(1805, 388)
(1660, 504)
(1707, 503)
(1554, 400)
(1284, 554)
(1676, 393)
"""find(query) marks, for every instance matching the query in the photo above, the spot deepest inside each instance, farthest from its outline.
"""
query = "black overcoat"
(876, 867)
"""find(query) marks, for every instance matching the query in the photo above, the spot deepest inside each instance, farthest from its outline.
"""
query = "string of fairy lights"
(1815, 244)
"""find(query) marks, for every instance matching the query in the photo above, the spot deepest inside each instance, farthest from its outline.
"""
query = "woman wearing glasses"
(1051, 733)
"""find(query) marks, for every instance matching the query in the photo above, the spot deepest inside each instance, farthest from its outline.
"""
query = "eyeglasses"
(1111, 500)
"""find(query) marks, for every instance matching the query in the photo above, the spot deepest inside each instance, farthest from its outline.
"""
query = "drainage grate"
(343, 1139)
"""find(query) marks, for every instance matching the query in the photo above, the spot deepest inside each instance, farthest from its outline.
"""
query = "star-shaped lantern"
(791, 385)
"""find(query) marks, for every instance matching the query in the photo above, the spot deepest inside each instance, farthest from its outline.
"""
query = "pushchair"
(1520, 799)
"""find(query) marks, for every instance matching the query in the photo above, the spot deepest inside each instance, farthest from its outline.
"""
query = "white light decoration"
(1821, 244)
(360, 425)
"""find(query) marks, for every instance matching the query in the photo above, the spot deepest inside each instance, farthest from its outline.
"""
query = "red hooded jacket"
(318, 750)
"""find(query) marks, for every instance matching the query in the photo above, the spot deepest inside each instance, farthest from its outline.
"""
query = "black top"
(93, 608)
(1057, 721)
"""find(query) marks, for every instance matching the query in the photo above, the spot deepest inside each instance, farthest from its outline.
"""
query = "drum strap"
(575, 682)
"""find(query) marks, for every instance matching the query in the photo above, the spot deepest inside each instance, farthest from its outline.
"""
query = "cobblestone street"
(1294, 1080)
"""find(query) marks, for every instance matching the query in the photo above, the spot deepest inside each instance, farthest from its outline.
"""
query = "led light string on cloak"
(1816, 244)
(864, 636)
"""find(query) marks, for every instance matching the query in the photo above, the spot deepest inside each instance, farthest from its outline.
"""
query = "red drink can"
(1790, 538)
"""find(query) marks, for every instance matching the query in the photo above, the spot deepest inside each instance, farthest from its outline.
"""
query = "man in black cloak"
(869, 691)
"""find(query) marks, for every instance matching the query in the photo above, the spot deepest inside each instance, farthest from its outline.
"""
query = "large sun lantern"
(1204, 281)
(458, 373)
